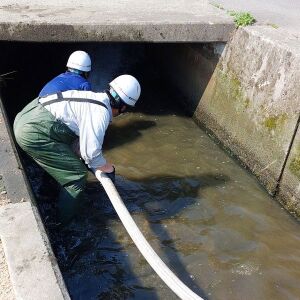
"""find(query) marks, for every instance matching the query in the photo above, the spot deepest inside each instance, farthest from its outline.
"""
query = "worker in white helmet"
(75, 78)
(47, 127)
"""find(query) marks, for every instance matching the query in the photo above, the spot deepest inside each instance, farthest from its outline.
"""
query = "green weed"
(242, 19)
(273, 25)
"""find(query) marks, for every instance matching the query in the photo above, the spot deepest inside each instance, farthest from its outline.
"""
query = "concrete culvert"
(207, 217)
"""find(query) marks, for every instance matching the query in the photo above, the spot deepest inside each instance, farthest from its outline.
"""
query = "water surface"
(205, 215)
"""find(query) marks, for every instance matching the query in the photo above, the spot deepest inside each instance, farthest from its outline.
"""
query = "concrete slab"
(11, 177)
(6, 289)
(252, 100)
(31, 271)
(115, 20)
(34, 273)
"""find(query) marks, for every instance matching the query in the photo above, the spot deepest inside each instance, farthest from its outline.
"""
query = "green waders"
(48, 141)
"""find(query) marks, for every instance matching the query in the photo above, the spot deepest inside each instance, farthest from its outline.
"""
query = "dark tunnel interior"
(26, 67)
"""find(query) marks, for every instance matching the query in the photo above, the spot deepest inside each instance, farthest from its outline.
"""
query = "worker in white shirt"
(47, 128)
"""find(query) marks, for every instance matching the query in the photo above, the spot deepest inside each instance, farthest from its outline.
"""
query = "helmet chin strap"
(118, 104)
(81, 73)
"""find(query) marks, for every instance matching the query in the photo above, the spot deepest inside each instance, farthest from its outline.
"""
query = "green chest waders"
(48, 141)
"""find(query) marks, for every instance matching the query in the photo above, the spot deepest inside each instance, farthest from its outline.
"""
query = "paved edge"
(22, 231)
(10, 166)
(29, 262)
(51, 32)
(6, 289)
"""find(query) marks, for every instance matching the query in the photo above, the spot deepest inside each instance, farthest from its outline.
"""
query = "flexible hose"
(172, 281)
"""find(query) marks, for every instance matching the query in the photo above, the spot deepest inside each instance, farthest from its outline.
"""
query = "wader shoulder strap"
(60, 98)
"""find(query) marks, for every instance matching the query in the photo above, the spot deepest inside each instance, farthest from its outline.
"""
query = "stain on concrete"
(275, 122)
(294, 165)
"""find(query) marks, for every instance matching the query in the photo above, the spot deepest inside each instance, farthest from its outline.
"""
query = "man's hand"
(109, 170)
(112, 175)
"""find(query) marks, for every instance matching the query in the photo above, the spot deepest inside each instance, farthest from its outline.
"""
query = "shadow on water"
(94, 260)
(99, 253)
(128, 131)
(165, 197)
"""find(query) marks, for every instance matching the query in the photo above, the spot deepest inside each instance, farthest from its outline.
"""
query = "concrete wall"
(251, 104)
(188, 67)
(114, 20)
(289, 188)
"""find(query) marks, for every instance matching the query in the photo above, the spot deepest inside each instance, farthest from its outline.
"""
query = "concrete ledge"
(32, 265)
(43, 32)
(147, 21)
(28, 259)
(10, 171)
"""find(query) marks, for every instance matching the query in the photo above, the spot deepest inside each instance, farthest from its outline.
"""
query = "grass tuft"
(242, 19)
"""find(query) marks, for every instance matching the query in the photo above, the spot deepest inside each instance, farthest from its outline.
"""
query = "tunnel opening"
(26, 67)
(208, 218)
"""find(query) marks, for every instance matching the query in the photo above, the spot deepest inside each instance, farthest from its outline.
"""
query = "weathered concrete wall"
(188, 67)
(289, 187)
(114, 20)
(251, 103)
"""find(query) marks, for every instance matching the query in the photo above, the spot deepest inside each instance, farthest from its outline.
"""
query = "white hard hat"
(79, 60)
(128, 88)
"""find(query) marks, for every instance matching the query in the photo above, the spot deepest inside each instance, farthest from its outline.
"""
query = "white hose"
(174, 283)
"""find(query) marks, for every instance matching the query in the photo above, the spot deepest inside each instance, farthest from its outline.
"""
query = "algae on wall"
(250, 103)
(294, 165)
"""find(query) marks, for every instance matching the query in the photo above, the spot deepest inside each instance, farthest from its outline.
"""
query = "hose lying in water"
(175, 284)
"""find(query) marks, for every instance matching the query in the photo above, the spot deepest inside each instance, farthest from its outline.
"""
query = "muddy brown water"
(205, 215)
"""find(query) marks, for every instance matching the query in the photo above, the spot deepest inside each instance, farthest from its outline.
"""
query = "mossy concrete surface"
(289, 188)
(188, 67)
(251, 103)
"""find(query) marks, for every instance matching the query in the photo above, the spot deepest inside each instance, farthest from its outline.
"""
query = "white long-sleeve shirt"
(87, 120)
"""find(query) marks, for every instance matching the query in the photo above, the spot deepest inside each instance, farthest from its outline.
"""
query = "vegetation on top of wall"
(241, 19)
(217, 5)
(273, 25)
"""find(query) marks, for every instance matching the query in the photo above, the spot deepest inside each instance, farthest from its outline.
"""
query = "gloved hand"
(112, 175)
